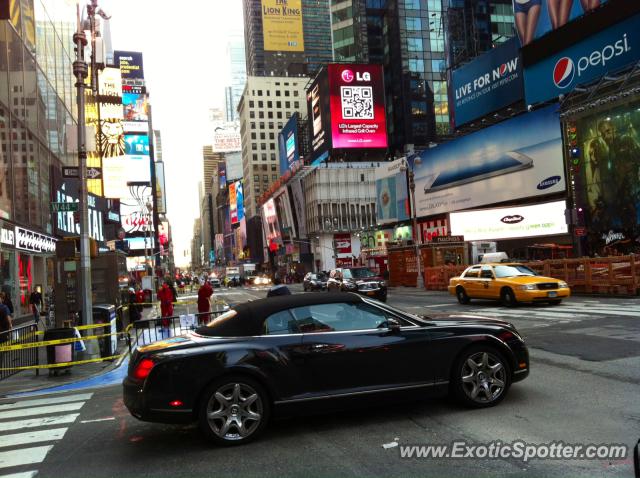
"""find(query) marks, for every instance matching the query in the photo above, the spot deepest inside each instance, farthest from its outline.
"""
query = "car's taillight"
(143, 368)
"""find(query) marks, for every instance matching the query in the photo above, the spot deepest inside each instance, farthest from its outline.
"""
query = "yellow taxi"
(510, 283)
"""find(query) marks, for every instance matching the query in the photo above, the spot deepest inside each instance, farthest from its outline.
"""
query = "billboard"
(584, 62)
(288, 144)
(239, 200)
(319, 113)
(222, 174)
(518, 158)
(135, 107)
(510, 222)
(233, 163)
(282, 25)
(137, 160)
(233, 204)
(490, 82)
(110, 93)
(270, 222)
(226, 139)
(358, 117)
(392, 196)
(161, 198)
(542, 17)
(297, 196)
(130, 64)
(134, 216)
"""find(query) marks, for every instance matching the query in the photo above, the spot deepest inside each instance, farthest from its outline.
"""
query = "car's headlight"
(563, 285)
(350, 285)
(528, 287)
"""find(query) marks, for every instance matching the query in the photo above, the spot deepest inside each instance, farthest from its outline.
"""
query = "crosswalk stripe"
(24, 474)
(24, 456)
(38, 422)
(46, 401)
(33, 436)
(30, 412)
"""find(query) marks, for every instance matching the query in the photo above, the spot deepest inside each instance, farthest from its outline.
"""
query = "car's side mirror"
(393, 325)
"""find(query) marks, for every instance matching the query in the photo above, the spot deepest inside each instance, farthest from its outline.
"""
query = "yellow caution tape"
(45, 343)
(65, 364)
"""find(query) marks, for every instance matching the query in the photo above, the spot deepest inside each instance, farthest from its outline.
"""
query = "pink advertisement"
(357, 106)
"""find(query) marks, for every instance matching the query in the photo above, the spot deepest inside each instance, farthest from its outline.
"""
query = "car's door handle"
(326, 347)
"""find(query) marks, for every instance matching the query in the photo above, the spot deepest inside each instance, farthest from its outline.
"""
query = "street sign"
(580, 231)
(94, 173)
(70, 172)
(64, 206)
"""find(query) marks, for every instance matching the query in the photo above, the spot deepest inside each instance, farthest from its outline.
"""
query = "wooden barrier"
(618, 275)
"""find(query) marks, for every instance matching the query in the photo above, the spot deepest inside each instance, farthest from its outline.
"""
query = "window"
(274, 177)
(256, 177)
(296, 104)
(474, 272)
(259, 92)
(265, 178)
(252, 114)
(295, 93)
(263, 136)
(260, 104)
(416, 66)
(273, 167)
(414, 24)
(339, 317)
(261, 114)
(286, 93)
(264, 156)
(280, 323)
(486, 272)
(251, 104)
(273, 156)
(287, 104)
(414, 44)
(412, 4)
(279, 104)
(269, 104)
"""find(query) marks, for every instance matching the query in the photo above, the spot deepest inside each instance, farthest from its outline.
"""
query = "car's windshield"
(360, 273)
(513, 271)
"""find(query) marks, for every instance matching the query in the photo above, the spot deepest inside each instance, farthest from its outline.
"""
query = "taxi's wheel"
(508, 298)
(555, 302)
(462, 296)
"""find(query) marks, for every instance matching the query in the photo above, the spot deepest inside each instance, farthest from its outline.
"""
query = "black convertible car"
(317, 349)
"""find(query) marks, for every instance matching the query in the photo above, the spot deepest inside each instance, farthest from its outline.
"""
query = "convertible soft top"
(250, 316)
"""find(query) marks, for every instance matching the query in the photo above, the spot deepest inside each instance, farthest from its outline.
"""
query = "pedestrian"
(35, 302)
(165, 296)
(4, 307)
(204, 301)
(278, 289)
(134, 308)
(7, 299)
(5, 326)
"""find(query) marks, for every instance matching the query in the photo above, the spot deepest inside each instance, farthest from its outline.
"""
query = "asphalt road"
(583, 388)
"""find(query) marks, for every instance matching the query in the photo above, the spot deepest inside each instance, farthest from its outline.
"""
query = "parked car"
(215, 282)
(314, 281)
(262, 280)
(263, 357)
(357, 279)
(510, 283)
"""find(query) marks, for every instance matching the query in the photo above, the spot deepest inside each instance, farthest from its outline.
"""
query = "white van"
(494, 257)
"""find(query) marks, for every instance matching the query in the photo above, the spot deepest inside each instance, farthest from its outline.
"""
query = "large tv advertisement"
(233, 204)
(358, 118)
(288, 144)
(130, 63)
(138, 163)
(535, 18)
(584, 62)
(239, 200)
(490, 82)
(319, 111)
(392, 198)
(609, 144)
(282, 25)
(519, 158)
(271, 225)
(135, 107)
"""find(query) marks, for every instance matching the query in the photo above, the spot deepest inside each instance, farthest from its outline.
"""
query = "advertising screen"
(488, 83)
(607, 175)
(137, 160)
(110, 93)
(135, 107)
(583, 62)
(547, 16)
(226, 139)
(319, 113)
(392, 197)
(115, 177)
(298, 206)
(271, 226)
(282, 25)
(510, 222)
(130, 63)
(358, 118)
(134, 216)
(239, 200)
(222, 175)
(518, 158)
(233, 163)
(288, 144)
(233, 204)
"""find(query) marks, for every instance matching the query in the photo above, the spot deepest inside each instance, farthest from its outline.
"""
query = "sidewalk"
(27, 380)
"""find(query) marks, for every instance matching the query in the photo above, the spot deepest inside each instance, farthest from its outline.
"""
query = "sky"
(185, 68)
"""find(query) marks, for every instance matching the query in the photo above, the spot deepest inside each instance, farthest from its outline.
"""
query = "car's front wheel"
(462, 296)
(233, 411)
(508, 298)
(481, 377)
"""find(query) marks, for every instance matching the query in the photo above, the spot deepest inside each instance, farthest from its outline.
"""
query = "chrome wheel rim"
(483, 377)
(235, 411)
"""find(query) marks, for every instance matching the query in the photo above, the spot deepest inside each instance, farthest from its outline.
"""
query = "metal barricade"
(11, 359)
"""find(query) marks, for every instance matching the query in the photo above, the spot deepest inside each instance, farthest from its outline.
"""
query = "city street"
(583, 389)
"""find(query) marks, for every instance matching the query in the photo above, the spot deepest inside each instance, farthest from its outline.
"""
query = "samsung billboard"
(518, 158)
(584, 62)
(288, 144)
(490, 82)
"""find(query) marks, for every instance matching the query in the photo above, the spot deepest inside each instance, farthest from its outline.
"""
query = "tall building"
(349, 31)
(265, 106)
(237, 75)
(272, 51)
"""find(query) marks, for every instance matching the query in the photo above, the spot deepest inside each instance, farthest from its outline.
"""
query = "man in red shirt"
(165, 296)
(204, 296)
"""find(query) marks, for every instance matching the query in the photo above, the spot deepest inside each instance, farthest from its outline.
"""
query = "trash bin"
(106, 314)
(60, 353)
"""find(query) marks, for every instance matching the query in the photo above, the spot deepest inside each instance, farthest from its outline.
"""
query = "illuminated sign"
(135, 107)
(32, 241)
(512, 222)
(233, 204)
(130, 64)
(239, 200)
(282, 25)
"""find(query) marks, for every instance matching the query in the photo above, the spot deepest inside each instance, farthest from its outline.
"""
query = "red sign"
(358, 117)
(344, 262)
(580, 231)
(342, 243)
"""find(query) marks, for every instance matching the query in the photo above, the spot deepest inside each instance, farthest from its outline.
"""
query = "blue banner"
(288, 144)
(584, 62)
(490, 82)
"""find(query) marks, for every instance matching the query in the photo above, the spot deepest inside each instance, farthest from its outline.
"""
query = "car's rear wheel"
(233, 411)
(508, 298)
(462, 296)
(555, 302)
(481, 377)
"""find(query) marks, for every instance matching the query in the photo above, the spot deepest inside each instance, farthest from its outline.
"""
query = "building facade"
(265, 106)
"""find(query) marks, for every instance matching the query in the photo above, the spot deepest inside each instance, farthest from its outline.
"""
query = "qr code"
(357, 102)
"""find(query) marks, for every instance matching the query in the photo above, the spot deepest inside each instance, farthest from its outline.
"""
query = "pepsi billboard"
(584, 62)
(487, 84)
(288, 144)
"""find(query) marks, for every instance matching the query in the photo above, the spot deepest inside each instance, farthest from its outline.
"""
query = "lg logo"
(348, 76)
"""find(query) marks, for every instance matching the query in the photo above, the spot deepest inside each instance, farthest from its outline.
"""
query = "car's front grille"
(547, 285)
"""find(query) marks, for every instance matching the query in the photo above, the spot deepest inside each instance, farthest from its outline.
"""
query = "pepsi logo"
(503, 69)
(347, 76)
(514, 219)
(563, 72)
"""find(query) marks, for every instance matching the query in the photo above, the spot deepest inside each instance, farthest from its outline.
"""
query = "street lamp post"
(417, 240)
